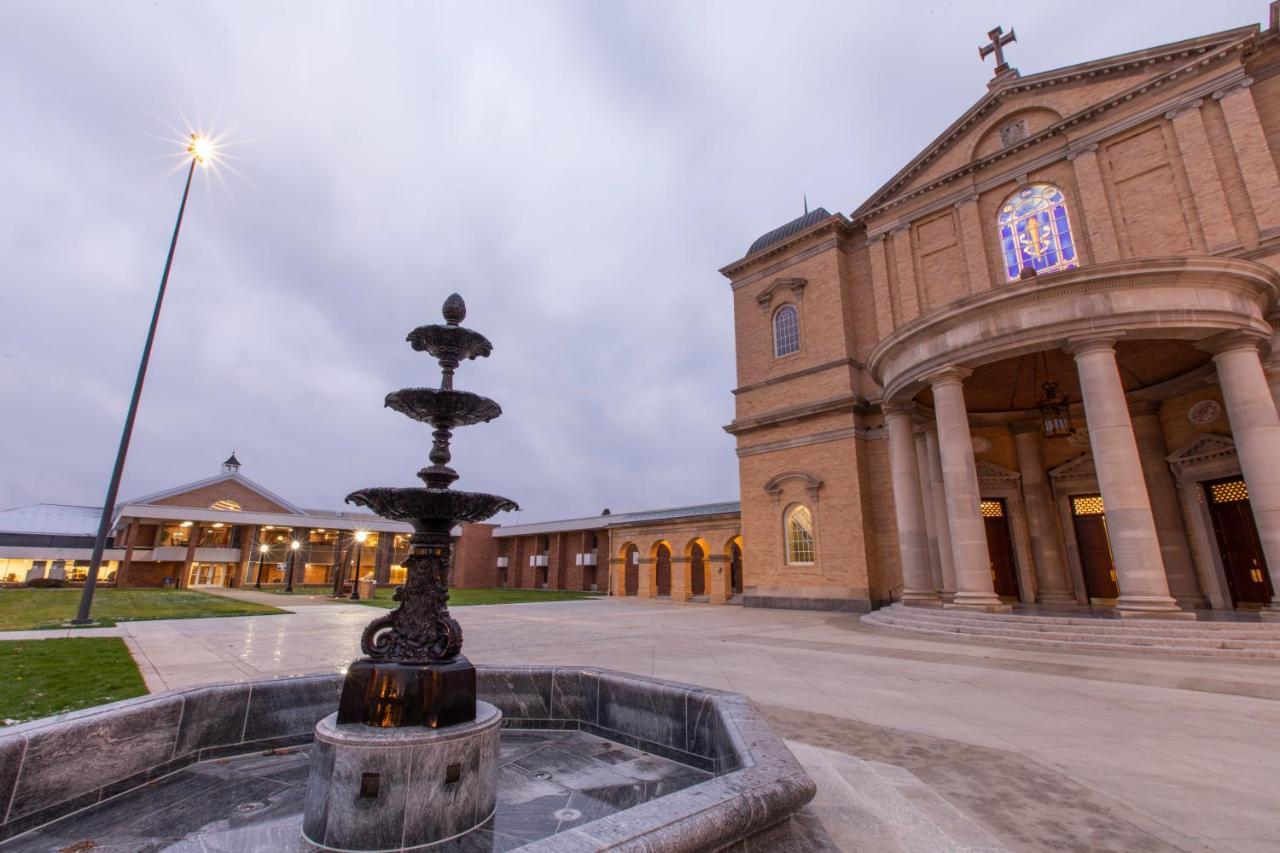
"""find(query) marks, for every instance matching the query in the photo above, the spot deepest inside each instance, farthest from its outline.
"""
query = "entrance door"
(631, 573)
(207, 574)
(697, 570)
(1090, 520)
(1004, 573)
(735, 569)
(663, 570)
(1238, 542)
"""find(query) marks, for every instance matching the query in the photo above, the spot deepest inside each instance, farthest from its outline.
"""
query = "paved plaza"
(1038, 750)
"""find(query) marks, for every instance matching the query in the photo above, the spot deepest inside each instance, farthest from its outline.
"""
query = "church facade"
(1040, 364)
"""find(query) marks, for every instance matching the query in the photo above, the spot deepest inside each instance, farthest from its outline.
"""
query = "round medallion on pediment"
(981, 444)
(1205, 412)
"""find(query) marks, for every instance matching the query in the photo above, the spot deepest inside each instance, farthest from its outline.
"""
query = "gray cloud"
(577, 170)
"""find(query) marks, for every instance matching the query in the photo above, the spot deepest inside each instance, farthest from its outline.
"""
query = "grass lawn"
(465, 597)
(26, 609)
(43, 677)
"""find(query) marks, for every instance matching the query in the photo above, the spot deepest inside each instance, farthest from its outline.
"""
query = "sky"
(578, 171)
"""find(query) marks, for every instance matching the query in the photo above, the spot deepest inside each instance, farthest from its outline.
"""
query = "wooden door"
(697, 571)
(1238, 542)
(1004, 572)
(735, 569)
(663, 570)
(1094, 545)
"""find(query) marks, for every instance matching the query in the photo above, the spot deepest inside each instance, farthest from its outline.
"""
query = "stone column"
(938, 495)
(1197, 158)
(926, 500)
(1144, 588)
(1052, 585)
(974, 587)
(1255, 426)
(1170, 527)
(1097, 210)
(1254, 155)
(917, 583)
(647, 581)
(679, 578)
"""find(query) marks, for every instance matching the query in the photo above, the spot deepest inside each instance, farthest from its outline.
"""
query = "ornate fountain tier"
(450, 342)
(418, 505)
(443, 406)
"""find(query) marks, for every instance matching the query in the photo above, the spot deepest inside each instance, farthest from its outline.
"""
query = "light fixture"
(264, 548)
(201, 148)
(185, 524)
(295, 544)
(219, 524)
(269, 527)
(1055, 411)
(362, 535)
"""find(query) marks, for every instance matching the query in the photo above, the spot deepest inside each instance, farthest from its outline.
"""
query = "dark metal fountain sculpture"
(414, 673)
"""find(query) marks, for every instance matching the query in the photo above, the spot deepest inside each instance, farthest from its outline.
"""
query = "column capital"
(1235, 88)
(1239, 339)
(1183, 108)
(952, 374)
(1090, 148)
(892, 408)
(1091, 344)
(1027, 428)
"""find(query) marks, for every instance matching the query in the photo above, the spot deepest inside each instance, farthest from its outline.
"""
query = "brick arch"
(629, 553)
(660, 554)
(698, 552)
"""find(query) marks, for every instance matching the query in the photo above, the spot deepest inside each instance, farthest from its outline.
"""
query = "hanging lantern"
(1055, 413)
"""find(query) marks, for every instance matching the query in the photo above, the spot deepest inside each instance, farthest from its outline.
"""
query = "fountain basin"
(738, 778)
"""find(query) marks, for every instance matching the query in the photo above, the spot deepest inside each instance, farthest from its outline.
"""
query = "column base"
(988, 602)
(921, 599)
(1270, 613)
(1058, 601)
(1149, 607)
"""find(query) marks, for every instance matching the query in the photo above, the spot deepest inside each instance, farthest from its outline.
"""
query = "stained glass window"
(786, 331)
(1035, 231)
(799, 535)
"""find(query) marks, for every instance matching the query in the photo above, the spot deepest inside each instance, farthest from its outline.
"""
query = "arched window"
(799, 527)
(786, 331)
(1035, 231)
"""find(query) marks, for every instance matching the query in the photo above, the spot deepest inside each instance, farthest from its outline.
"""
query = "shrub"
(46, 583)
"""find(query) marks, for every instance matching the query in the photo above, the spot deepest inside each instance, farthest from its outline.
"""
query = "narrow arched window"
(786, 331)
(799, 528)
(1035, 231)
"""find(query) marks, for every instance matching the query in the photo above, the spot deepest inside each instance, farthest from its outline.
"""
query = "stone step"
(1066, 618)
(1109, 627)
(1086, 642)
(1071, 636)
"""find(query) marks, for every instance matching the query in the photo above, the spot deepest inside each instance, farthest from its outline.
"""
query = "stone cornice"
(1213, 48)
(861, 433)
(845, 403)
(799, 374)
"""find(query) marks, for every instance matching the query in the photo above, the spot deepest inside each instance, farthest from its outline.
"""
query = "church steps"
(1147, 637)
(1250, 628)
(1111, 627)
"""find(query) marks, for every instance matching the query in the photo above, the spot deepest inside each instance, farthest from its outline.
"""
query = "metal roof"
(60, 519)
(698, 511)
(791, 229)
(596, 522)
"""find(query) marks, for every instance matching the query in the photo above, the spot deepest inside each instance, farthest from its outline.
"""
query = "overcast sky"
(578, 171)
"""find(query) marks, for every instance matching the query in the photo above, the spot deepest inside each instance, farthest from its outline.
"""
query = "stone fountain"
(408, 715)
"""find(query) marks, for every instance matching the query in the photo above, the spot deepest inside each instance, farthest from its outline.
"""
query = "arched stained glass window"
(1035, 231)
(786, 331)
(799, 527)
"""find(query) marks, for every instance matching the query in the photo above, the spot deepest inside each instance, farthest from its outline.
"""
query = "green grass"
(43, 677)
(467, 597)
(27, 609)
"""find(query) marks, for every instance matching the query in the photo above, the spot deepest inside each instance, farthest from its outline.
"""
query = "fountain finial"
(454, 310)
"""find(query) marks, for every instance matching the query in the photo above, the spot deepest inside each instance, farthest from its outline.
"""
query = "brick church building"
(1040, 363)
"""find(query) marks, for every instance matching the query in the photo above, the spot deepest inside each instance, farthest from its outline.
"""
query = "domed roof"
(792, 228)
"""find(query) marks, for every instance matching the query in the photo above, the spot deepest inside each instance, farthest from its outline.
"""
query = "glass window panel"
(1035, 231)
(799, 528)
(786, 331)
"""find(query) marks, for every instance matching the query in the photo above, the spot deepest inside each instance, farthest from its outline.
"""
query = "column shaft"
(926, 500)
(1144, 589)
(1255, 426)
(938, 495)
(1170, 527)
(1052, 585)
(974, 587)
(917, 583)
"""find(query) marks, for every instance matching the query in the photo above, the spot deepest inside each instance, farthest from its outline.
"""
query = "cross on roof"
(996, 46)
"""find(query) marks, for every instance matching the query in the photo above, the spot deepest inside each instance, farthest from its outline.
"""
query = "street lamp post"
(262, 553)
(361, 535)
(200, 149)
(293, 559)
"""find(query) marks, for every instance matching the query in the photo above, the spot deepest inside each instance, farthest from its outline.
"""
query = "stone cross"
(996, 46)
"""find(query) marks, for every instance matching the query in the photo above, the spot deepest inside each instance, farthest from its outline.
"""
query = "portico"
(1139, 336)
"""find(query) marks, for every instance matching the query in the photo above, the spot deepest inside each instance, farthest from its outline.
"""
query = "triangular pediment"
(1047, 103)
(991, 474)
(227, 491)
(1080, 468)
(1203, 448)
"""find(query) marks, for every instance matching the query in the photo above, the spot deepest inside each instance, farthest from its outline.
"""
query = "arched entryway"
(697, 553)
(733, 551)
(662, 569)
(630, 569)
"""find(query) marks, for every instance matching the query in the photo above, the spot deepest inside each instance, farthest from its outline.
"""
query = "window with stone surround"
(1035, 231)
(786, 331)
(799, 531)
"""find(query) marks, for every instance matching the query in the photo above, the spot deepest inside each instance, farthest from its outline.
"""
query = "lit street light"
(201, 150)
(262, 553)
(293, 558)
(361, 535)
